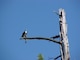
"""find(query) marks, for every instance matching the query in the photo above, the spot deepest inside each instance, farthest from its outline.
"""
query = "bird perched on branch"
(24, 35)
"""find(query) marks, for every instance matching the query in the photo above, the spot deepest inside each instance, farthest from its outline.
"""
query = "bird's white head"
(26, 31)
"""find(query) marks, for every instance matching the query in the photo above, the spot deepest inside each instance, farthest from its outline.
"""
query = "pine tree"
(40, 57)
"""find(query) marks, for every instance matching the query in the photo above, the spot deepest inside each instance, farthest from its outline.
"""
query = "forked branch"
(41, 38)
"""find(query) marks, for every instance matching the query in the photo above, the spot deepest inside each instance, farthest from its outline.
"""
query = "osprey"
(24, 34)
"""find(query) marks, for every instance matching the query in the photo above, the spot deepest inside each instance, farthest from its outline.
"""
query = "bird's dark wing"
(23, 34)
